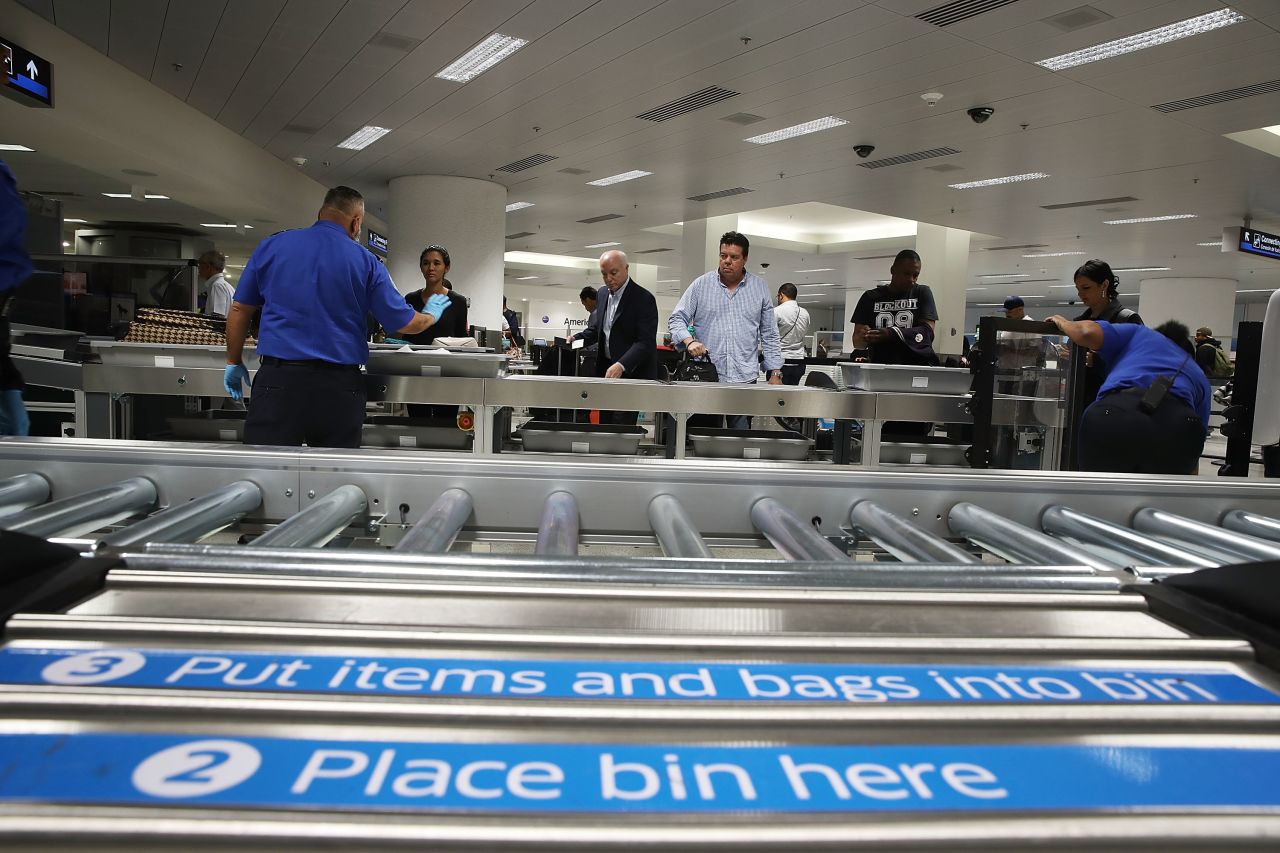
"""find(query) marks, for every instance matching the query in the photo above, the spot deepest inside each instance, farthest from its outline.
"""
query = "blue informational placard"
(1257, 242)
(27, 78)
(630, 680)
(565, 777)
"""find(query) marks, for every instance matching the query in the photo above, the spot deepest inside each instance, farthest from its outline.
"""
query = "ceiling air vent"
(526, 163)
(1010, 248)
(570, 170)
(720, 194)
(960, 10)
(604, 218)
(519, 234)
(743, 118)
(702, 98)
(300, 129)
(1093, 202)
(651, 251)
(1218, 97)
(559, 240)
(1077, 19)
(909, 158)
(394, 42)
(945, 167)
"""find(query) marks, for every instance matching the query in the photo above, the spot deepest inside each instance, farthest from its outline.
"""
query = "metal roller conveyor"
(82, 513)
(1260, 526)
(439, 525)
(1246, 547)
(902, 539)
(558, 529)
(678, 535)
(22, 491)
(1065, 521)
(1017, 541)
(318, 523)
(794, 538)
(192, 520)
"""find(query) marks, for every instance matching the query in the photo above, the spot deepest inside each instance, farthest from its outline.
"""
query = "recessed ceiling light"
(81, 221)
(526, 277)
(824, 123)
(601, 245)
(1053, 254)
(481, 58)
(364, 137)
(223, 225)
(1140, 41)
(130, 195)
(1149, 219)
(1005, 275)
(15, 147)
(819, 269)
(518, 205)
(66, 245)
(619, 178)
(995, 182)
(1139, 269)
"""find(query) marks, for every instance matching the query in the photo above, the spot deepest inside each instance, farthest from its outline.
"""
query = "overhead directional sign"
(377, 242)
(1257, 242)
(28, 79)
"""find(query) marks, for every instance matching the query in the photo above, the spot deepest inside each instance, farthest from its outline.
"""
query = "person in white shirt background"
(793, 326)
(210, 268)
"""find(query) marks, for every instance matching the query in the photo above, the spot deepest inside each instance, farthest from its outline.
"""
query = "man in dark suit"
(624, 326)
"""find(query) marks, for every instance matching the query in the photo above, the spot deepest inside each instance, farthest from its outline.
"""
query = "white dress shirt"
(793, 325)
(220, 294)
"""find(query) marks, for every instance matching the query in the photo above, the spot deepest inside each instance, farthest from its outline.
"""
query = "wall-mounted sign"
(28, 79)
(377, 242)
(1252, 241)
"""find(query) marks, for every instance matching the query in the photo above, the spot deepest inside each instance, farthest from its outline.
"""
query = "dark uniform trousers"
(1116, 435)
(313, 402)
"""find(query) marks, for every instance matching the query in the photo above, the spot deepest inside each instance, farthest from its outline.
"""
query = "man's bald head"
(614, 270)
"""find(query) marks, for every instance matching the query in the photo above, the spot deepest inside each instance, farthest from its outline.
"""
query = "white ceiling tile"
(87, 20)
(189, 30)
(135, 33)
(241, 30)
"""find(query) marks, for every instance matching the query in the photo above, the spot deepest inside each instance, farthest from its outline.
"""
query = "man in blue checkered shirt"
(728, 315)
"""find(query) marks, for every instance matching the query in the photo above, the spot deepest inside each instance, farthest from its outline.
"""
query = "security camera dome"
(981, 114)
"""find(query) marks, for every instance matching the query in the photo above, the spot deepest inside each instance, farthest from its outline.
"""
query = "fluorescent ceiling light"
(1053, 254)
(481, 58)
(1217, 243)
(81, 221)
(1263, 290)
(1275, 128)
(525, 277)
(1149, 219)
(668, 280)
(235, 266)
(1005, 275)
(995, 182)
(975, 288)
(364, 137)
(1064, 286)
(817, 285)
(601, 245)
(518, 205)
(223, 225)
(824, 123)
(1139, 269)
(1141, 41)
(15, 147)
(619, 178)
(820, 269)
(66, 245)
(539, 259)
(130, 195)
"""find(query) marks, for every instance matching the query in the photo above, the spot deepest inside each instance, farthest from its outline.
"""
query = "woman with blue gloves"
(314, 286)
(15, 268)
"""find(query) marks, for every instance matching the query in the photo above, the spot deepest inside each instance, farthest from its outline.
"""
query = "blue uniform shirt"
(15, 266)
(315, 286)
(1138, 355)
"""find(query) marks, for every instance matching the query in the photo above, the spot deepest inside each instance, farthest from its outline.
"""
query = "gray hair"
(215, 259)
(621, 254)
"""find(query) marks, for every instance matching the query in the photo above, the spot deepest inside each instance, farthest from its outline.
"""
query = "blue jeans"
(738, 421)
(13, 414)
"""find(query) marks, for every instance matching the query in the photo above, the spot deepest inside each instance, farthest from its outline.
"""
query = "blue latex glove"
(436, 305)
(231, 379)
(399, 341)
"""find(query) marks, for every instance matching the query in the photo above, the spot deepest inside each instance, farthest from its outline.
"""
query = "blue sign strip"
(38, 89)
(524, 777)
(631, 680)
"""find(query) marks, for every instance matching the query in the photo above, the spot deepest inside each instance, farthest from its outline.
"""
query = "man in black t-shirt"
(895, 321)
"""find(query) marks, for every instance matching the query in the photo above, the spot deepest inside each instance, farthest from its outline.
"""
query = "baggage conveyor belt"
(552, 655)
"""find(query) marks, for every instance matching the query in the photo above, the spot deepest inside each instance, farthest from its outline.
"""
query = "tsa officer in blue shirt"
(315, 287)
(15, 268)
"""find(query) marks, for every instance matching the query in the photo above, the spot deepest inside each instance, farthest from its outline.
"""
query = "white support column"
(464, 215)
(1195, 302)
(700, 245)
(944, 256)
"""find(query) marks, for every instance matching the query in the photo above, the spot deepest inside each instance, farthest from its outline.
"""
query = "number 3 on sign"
(196, 769)
(93, 667)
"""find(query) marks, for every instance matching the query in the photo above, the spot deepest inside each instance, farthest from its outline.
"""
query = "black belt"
(306, 362)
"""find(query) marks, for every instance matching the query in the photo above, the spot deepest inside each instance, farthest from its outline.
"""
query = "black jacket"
(633, 338)
(452, 323)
